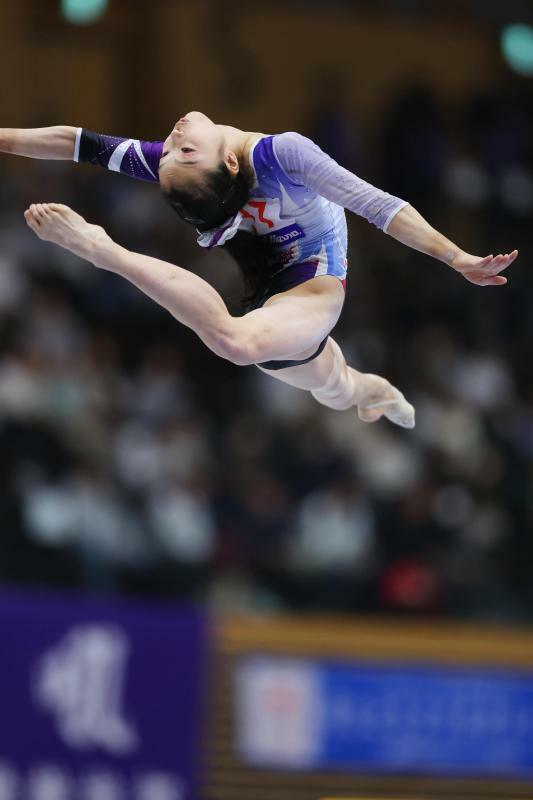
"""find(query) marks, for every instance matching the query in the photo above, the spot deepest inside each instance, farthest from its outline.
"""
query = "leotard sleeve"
(306, 164)
(130, 156)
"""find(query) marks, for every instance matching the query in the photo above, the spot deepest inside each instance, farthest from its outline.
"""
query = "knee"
(238, 345)
(238, 353)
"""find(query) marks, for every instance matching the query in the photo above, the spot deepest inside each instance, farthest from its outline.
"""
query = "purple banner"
(99, 700)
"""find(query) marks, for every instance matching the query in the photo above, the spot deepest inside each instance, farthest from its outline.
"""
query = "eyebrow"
(180, 163)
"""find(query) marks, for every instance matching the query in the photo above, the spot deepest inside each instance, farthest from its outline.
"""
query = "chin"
(198, 114)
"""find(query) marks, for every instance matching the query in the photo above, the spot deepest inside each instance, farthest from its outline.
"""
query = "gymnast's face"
(195, 145)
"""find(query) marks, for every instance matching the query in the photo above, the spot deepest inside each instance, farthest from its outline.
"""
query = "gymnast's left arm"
(307, 164)
(410, 228)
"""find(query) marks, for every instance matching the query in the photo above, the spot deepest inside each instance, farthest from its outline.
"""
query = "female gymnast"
(276, 203)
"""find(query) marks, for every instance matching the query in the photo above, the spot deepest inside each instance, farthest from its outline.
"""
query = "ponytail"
(257, 259)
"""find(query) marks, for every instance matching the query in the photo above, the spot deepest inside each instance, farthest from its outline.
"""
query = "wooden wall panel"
(253, 65)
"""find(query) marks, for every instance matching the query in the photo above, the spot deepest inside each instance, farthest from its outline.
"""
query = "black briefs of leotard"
(280, 282)
(285, 364)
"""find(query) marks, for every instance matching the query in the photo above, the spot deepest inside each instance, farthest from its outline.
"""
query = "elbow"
(388, 224)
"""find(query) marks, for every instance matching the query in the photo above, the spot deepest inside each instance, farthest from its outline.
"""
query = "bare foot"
(376, 397)
(59, 224)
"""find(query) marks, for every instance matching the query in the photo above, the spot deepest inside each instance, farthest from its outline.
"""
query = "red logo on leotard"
(260, 205)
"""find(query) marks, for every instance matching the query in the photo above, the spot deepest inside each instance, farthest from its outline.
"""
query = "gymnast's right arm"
(133, 157)
(57, 142)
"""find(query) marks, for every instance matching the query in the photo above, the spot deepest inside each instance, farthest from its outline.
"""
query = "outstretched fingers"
(487, 271)
(499, 263)
(497, 280)
(503, 261)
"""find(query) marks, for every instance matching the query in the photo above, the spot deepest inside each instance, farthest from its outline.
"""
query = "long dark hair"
(220, 196)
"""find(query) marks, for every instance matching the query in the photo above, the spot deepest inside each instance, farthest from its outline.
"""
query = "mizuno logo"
(289, 234)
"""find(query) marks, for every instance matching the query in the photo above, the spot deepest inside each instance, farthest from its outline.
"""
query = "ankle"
(99, 247)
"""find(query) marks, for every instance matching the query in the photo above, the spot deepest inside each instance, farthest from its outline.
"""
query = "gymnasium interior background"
(331, 607)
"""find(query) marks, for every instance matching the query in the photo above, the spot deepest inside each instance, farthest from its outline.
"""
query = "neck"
(239, 141)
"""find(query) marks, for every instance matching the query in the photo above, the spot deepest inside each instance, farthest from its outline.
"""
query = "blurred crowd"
(133, 460)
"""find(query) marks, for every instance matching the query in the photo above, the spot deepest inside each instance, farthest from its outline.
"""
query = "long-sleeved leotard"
(298, 198)
(130, 156)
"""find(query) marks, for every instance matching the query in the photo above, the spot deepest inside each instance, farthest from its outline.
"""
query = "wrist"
(450, 255)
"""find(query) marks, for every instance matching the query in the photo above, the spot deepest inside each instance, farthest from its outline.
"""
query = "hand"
(483, 271)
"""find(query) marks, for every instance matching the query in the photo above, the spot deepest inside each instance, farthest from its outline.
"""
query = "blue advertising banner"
(98, 700)
(380, 718)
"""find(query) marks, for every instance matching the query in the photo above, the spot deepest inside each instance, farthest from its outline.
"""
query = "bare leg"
(298, 321)
(336, 385)
(290, 325)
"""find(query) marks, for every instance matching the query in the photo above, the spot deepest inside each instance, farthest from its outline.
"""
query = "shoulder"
(292, 144)
(292, 139)
(295, 153)
(289, 154)
(280, 142)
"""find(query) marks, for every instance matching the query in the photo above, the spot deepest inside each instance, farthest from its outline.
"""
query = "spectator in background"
(182, 522)
(331, 550)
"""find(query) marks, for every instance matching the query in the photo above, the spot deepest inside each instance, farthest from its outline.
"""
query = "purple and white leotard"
(298, 197)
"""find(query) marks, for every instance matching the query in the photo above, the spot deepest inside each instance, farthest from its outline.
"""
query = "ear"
(232, 162)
